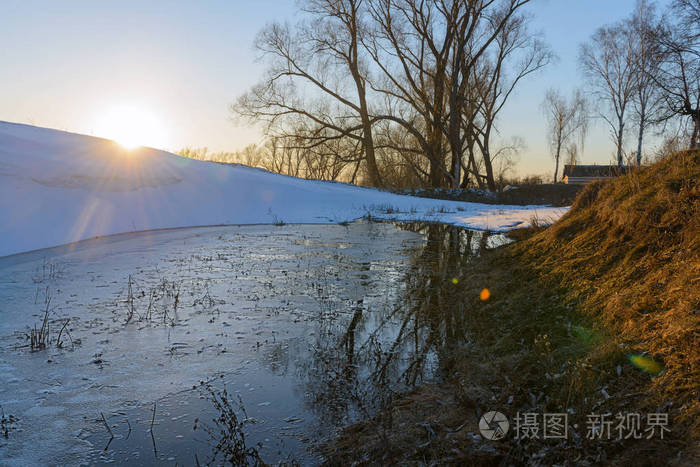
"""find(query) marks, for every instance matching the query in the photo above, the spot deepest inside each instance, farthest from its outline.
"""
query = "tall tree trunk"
(455, 104)
(639, 142)
(437, 162)
(490, 180)
(471, 169)
(696, 131)
(488, 166)
(367, 139)
(436, 154)
(486, 153)
(354, 172)
(621, 127)
(455, 146)
(435, 173)
(456, 171)
(556, 161)
(368, 143)
(471, 163)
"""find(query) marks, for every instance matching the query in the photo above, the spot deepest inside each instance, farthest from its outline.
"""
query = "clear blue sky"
(65, 63)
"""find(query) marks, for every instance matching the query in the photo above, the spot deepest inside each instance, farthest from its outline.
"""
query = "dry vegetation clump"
(227, 435)
(227, 431)
(39, 338)
(7, 422)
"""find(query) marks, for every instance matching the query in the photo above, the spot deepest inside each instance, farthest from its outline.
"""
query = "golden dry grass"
(629, 250)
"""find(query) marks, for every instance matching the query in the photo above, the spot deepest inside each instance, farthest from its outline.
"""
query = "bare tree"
(322, 57)
(689, 17)
(411, 47)
(678, 74)
(439, 71)
(565, 119)
(647, 98)
(609, 64)
(516, 53)
(504, 158)
(572, 154)
(427, 52)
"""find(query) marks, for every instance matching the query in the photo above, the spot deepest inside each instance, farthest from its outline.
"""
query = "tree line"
(642, 73)
(408, 93)
(410, 90)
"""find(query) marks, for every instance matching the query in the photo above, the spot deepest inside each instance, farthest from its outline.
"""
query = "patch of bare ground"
(598, 314)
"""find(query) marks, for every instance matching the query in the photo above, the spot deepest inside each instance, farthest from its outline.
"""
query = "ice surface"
(58, 187)
(296, 319)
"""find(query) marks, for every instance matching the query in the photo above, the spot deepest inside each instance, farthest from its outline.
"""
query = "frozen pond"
(312, 327)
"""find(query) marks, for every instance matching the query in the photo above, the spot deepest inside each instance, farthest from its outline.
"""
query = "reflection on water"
(363, 354)
(313, 327)
(358, 362)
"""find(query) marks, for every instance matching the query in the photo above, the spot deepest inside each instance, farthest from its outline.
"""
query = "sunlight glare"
(131, 127)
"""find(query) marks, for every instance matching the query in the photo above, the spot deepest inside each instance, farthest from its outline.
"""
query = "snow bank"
(58, 187)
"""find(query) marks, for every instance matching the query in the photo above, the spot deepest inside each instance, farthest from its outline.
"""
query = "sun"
(131, 127)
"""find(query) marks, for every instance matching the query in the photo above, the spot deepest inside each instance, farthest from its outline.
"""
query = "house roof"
(594, 170)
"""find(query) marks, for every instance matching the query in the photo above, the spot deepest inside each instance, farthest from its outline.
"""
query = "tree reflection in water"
(363, 357)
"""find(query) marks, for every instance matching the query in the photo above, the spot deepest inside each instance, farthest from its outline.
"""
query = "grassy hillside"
(599, 313)
(629, 251)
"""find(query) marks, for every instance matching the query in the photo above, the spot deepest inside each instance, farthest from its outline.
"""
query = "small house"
(585, 174)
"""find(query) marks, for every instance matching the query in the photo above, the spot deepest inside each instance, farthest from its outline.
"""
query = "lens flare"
(485, 294)
(646, 364)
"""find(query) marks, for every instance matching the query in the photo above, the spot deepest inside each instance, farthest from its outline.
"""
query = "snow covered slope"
(58, 187)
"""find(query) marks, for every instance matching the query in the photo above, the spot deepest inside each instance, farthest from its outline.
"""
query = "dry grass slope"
(629, 250)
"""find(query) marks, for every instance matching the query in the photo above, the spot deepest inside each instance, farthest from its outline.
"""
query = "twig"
(109, 442)
(58, 341)
(130, 301)
(153, 418)
(107, 425)
(155, 449)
